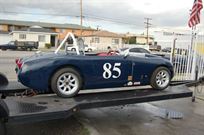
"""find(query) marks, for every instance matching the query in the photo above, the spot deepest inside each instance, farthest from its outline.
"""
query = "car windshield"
(136, 50)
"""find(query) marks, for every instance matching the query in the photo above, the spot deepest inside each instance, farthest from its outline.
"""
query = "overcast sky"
(112, 15)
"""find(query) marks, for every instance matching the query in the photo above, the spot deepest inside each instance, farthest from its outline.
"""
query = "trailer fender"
(3, 80)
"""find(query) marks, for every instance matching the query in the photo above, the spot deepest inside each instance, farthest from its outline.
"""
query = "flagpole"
(193, 21)
(189, 54)
(194, 43)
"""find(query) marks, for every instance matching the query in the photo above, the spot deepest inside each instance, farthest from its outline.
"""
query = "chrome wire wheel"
(67, 83)
(162, 78)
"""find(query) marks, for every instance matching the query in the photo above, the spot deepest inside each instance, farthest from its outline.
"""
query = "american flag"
(195, 13)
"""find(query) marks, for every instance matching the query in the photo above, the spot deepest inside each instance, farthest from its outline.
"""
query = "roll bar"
(69, 34)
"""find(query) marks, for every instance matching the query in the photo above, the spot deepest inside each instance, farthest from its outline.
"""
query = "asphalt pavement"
(7, 62)
(136, 119)
(142, 119)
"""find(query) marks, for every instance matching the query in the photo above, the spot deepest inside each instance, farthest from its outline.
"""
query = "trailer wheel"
(2, 128)
(66, 82)
(161, 78)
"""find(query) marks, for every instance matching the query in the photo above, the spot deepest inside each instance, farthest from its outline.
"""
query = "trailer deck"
(48, 107)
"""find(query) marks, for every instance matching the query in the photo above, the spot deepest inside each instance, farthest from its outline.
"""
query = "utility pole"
(147, 27)
(81, 16)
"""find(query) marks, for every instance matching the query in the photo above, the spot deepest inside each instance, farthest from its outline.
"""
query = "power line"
(116, 20)
(76, 16)
(27, 13)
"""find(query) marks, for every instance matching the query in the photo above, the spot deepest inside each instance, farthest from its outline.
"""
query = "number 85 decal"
(109, 72)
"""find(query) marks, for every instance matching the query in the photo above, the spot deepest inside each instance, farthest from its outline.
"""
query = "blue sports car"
(66, 73)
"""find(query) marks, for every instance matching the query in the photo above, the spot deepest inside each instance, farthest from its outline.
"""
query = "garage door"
(5, 38)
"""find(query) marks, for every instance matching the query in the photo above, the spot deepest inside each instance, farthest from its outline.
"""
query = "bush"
(48, 45)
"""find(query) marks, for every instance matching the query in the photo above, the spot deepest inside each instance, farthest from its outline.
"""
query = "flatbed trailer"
(48, 107)
(15, 109)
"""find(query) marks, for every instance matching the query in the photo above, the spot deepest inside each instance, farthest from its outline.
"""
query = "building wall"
(5, 38)
(139, 39)
(33, 37)
(104, 42)
(63, 32)
(166, 39)
(143, 40)
(3, 27)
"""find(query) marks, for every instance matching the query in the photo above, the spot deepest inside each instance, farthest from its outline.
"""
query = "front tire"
(66, 82)
(161, 78)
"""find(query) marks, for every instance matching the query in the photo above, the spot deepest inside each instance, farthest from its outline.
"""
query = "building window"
(41, 38)
(11, 28)
(95, 40)
(22, 36)
(115, 41)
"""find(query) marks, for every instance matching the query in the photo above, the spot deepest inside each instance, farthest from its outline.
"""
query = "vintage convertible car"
(66, 73)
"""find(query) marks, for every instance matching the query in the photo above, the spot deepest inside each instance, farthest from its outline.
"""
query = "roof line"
(44, 24)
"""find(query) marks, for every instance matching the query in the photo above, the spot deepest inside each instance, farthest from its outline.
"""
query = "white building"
(165, 38)
(102, 39)
(35, 34)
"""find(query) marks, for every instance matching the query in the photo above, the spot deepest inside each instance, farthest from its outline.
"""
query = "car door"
(110, 71)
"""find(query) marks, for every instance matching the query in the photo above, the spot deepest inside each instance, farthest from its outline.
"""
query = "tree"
(132, 40)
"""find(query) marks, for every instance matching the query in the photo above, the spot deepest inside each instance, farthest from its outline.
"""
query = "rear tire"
(66, 82)
(161, 78)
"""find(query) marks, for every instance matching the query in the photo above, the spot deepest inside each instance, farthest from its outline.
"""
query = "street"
(141, 119)
(7, 62)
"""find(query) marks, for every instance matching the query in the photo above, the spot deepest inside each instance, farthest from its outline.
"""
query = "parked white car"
(87, 48)
(135, 51)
